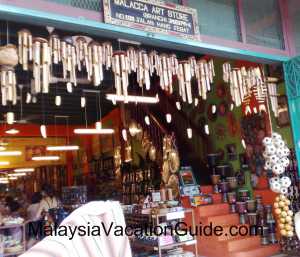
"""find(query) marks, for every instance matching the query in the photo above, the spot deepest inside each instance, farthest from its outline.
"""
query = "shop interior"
(160, 130)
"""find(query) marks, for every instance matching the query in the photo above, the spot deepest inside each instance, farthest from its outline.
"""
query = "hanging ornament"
(43, 131)
(8, 60)
(69, 60)
(165, 71)
(133, 59)
(55, 44)
(58, 100)
(143, 69)
(25, 48)
(28, 97)
(41, 65)
(107, 54)
(168, 117)
(10, 118)
(120, 67)
(272, 88)
(69, 87)
(178, 106)
(189, 133)
(124, 134)
(96, 62)
(81, 47)
(206, 129)
(184, 79)
(82, 102)
(147, 120)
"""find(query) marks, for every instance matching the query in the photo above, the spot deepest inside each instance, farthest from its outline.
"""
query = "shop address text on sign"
(153, 16)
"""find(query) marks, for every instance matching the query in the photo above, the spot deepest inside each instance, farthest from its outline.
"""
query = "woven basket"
(8, 55)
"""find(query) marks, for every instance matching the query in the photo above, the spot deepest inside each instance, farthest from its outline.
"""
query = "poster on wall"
(153, 16)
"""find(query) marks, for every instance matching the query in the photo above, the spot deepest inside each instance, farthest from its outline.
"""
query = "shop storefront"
(132, 113)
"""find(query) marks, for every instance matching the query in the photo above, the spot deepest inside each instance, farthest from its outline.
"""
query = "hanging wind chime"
(184, 79)
(69, 60)
(120, 67)
(96, 62)
(24, 48)
(41, 65)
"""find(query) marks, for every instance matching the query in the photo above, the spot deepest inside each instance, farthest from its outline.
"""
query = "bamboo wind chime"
(41, 66)
(8, 60)
(243, 82)
(24, 48)
(273, 93)
(80, 54)
(69, 61)
(121, 69)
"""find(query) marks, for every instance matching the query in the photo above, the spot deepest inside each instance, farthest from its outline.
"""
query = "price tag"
(175, 215)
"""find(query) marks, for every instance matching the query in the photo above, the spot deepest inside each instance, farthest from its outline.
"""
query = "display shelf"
(156, 221)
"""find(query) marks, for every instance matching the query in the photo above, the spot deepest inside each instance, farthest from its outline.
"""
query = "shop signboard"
(154, 16)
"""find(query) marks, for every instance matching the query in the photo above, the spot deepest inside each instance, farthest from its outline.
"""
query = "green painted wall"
(220, 143)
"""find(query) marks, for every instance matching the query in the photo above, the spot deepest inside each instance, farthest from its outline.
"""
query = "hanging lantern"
(43, 131)
(147, 120)
(82, 102)
(25, 48)
(10, 118)
(69, 87)
(28, 97)
(124, 134)
(206, 129)
(58, 100)
(189, 133)
(168, 117)
(120, 67)
(41, 65)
